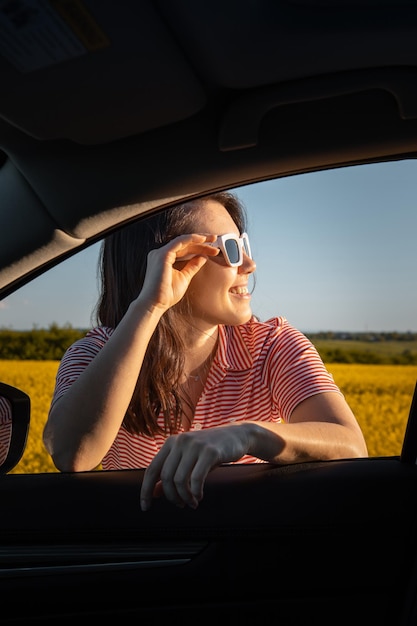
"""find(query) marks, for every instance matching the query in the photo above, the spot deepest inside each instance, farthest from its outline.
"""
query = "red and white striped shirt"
(261, 372)
(5, 427)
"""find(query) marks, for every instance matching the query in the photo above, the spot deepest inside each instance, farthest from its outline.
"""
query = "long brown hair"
(123, 260)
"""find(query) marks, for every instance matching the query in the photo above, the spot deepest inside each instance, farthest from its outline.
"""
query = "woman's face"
(218, 293)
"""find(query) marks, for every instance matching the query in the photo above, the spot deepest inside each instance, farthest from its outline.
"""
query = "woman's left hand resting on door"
(321, 427)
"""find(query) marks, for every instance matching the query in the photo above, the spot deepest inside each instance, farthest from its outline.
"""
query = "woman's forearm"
(84, 422)
(321, 427)
(304, 441)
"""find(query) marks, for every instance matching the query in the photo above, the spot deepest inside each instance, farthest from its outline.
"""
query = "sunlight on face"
(219, 293)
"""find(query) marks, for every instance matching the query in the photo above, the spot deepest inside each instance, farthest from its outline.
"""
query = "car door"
(320, 543)
(324, 543)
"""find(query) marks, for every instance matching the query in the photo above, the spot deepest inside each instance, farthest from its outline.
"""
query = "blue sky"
(335, 250)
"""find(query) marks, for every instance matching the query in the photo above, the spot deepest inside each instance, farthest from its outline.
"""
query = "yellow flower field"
(379, 395)
(37, 379)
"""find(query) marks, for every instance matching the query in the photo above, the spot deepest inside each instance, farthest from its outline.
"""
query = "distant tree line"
(370, 337)
(38, 344)
(397, 348)
(365, 356)
(50, 344)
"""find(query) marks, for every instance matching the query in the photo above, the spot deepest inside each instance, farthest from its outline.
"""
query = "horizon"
(305, 332)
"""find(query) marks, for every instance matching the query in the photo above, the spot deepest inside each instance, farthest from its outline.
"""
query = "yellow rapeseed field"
(37, 379)
(380, 396)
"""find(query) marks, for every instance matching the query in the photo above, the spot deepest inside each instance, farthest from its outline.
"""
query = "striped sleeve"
(296, 370)
(5, 427)
(76, 359)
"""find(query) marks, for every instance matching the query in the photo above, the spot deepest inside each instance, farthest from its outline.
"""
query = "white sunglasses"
(233, 247)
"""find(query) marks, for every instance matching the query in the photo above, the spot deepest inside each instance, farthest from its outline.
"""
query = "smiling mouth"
(240, 291)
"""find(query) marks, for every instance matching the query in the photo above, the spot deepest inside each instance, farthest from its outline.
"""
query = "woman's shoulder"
(100, 332)
(91, 342)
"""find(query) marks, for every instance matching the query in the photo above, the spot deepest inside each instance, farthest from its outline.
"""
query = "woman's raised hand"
(171, 267)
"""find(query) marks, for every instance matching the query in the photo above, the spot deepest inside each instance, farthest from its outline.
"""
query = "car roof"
(110, 110)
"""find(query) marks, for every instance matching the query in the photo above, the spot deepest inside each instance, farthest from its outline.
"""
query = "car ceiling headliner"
(164, 100)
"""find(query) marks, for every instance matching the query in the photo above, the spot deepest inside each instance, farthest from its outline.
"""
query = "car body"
(130, 107)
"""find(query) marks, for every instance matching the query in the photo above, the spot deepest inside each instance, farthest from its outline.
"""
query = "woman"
(179, 376)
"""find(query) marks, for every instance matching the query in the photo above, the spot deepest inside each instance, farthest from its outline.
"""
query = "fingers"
(168, 275)
(151, 477)
(187, 247)
(180, 468)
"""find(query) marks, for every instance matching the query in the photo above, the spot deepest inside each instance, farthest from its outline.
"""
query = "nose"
(248, 265)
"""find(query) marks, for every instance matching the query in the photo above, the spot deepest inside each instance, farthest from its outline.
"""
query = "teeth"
(239, 290)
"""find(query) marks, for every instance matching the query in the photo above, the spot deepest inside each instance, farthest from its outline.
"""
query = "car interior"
(109, 112)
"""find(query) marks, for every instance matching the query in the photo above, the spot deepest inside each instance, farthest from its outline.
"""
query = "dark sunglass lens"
(232, 250)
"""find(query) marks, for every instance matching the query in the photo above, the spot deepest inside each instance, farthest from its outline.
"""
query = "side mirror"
(14, 426)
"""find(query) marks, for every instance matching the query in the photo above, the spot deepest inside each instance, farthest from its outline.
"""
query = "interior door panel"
(322, 542)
